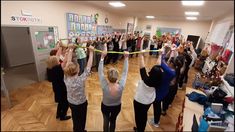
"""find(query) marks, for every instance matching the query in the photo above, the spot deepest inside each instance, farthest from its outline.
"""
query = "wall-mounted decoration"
(88, 19)
(80, 19)
(84, 19)
(26, 19)
(86, 27)
(103, 29)
(119, 30)
(130, 28)
(106, 20)
(96, 18)
(45, 40)
(148, 27)
(75, 18)
(164, 30)
(80, 25)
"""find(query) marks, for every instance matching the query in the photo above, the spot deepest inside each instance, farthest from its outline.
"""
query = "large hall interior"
(117, 66)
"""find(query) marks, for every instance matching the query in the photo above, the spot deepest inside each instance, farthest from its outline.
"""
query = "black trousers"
(141, 115)
(132, 49)
(170, 97)
(79, 113)
(108, 58)
(115, 57)
(151, 48)
(184, 77)
(110, 114)
(157, 111)
(62, 109)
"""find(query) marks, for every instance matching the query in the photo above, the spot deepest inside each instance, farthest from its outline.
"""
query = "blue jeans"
(82, 65)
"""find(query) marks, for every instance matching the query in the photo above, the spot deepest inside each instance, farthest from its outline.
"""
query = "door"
(43, 40)
(17, 46)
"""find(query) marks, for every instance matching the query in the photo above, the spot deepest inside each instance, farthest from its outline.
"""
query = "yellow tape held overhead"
(117, 52)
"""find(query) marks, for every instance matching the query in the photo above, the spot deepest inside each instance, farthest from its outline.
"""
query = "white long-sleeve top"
(194, 57)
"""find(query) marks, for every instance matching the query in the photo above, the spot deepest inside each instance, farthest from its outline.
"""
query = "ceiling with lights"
(170, 10)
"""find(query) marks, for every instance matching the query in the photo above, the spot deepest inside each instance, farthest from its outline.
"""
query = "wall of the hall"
(226, 17)
(229, 16)
(199, 28)
(52, 13)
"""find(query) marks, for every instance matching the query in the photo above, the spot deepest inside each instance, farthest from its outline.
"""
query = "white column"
(135, 23)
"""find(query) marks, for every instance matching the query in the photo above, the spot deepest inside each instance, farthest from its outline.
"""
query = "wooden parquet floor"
(34, 108)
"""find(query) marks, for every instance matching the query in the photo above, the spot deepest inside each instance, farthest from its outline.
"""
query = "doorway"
(17, 57)
(23, 54)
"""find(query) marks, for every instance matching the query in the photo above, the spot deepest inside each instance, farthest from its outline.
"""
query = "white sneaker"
(151, 122)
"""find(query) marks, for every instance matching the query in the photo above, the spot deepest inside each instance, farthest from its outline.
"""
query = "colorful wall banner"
(164, 30)
(81, 25)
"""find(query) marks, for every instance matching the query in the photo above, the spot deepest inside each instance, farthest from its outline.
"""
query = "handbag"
(219, 94)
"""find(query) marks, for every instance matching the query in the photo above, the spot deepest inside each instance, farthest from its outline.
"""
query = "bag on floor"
(196, 97)
(219, 93)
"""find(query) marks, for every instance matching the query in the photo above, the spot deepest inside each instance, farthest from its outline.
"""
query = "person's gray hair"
(112, 75)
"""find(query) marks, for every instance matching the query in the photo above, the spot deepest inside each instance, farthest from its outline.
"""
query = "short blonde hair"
(71, 69)
(112, 75)
(52, 61)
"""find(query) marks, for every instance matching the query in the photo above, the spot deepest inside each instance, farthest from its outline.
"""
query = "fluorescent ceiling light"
(151, 17)
(191, 13)
(191, 18)
(117, 4)
(192, 3)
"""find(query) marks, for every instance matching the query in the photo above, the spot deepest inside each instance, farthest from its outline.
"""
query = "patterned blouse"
(76, 87)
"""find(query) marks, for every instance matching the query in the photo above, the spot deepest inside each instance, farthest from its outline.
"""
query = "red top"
(139, 39)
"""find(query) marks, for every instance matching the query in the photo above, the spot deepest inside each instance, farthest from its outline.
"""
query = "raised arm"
(149, 43)
(89, 63)
(68, 56)
(102, 79)
(170, 72)
(141, 60)
(59, 48)
(141, 44)
(63, 64)
(125, 70)
(143, 72)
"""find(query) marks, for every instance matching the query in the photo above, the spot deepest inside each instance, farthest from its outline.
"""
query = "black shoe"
(163, 113)
(57, 117)
(65, 118)
(135, 129)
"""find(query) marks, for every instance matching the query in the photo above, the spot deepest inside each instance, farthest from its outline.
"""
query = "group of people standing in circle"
(68, 67)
